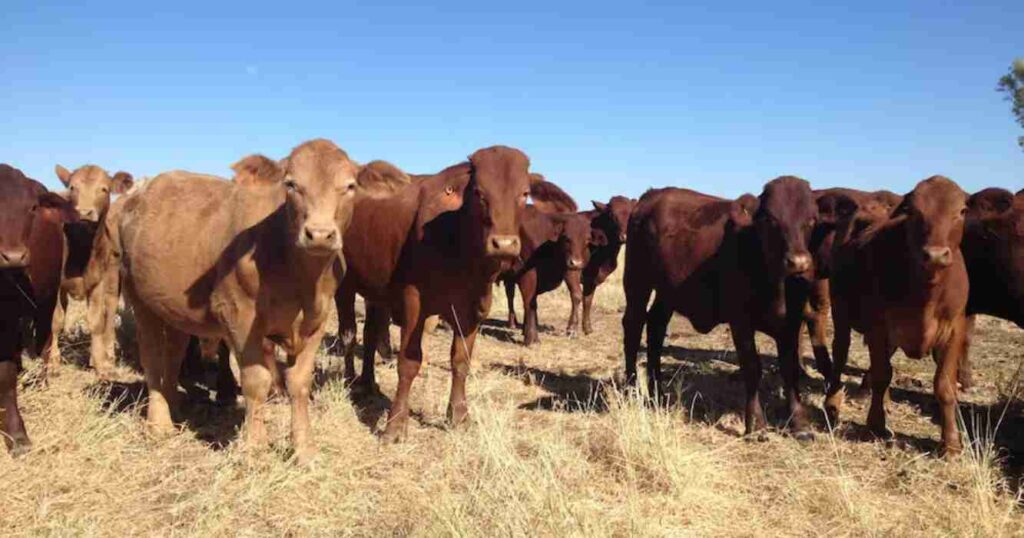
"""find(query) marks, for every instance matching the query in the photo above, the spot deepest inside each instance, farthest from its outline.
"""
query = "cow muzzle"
(502, 246)
(937, 257)
(797, 263)
(574, 263)
(320, 239)
(14, 258)
(88, 215)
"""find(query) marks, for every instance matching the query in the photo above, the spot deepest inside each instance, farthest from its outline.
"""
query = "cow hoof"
(304, 457)
(804, 436)
(882, 434)
(760, 436)
(20, 445)
(571, 333)
(392, 436)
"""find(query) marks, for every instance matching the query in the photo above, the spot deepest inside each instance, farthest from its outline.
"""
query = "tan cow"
(90, 189)
(249, 263)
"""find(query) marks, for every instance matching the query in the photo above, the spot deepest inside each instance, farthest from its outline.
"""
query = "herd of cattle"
(251, 266)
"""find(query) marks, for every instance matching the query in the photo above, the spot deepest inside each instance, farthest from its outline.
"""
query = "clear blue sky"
(605, 99)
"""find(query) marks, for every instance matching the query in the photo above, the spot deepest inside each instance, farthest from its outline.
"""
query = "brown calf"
(31, 255)
(609, 223)
(435, 247)
(90, 189)
(250, 264)
(903, 284)
(707, 259)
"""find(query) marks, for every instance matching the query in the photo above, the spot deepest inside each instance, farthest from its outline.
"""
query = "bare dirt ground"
(555, 448)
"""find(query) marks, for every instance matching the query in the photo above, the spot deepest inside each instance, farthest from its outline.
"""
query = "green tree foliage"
(1012, 84)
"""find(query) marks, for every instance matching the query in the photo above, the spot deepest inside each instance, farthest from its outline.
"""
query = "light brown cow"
(90, 189)
(251, 263)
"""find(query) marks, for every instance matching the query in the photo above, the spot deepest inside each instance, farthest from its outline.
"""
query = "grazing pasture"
(553, 447)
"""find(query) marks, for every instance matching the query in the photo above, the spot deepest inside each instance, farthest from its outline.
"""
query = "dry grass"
(554, 449)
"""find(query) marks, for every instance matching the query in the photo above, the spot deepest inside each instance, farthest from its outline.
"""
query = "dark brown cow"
(903, 284)
(31, 255)
(870, 207)
(609, 223)
(707, 259)
(993, 249)
(555, 249)
(90, 189)
(435, 247)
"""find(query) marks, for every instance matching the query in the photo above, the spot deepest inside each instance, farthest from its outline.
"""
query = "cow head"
(495, 196)
(257, 169)
(575, 240)
(90, 189)
(786, 214)
(23, 200)
(320, 185)
(934, 212)
(616, 216)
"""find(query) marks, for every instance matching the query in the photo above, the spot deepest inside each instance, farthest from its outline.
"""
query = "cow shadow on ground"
(569, 392)
(501, 330)
(214, 424)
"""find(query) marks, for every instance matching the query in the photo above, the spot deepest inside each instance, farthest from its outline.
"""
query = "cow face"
(934, 213)
(90, 189)
(785, 217)
(618, 210)
(575, 241)
(496, 195)
(23, 204)
(320, 182)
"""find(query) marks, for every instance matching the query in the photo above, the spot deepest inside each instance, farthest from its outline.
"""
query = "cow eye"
(351, 187)
(104, 190)
(290, 184)
(963, 211)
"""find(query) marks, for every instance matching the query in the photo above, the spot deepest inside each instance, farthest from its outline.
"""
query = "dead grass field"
(554, 449)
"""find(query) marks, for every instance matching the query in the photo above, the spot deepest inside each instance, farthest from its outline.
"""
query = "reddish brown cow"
(870, 206)
(993, 249)
(707, 259)
(903, 284)
(434, 247)
(609, 223)
(555, 249)
(31, 255)
(90, 189)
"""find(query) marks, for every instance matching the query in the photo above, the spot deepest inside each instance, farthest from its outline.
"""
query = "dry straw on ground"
(555, 449)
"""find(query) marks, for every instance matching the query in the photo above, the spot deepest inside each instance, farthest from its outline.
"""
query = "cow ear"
(122, 182)
(599, 205)
(52, 200)
(63, 174)
(904, 206)
(536, 178)
(598, 238)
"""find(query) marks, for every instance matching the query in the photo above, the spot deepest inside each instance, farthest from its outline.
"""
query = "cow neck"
(80, 238)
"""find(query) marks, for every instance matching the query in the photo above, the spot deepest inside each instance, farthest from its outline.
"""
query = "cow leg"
(789, 365)
(528, 289)
(384, 334)
(14, 434)
(227, 388)
(816, 324)
(633, 321)
(572, 281)
(102, 307)
(161, 350)
(948, 358)
(461, 353)
(588, 304)
(510, 294)
(300, 381)
(881, 376)
(345, 300)
(657, 326)
(834, 391)
(750, 369)
(248, 342)
(51, 349)
(410, 357)
(965, 373)
(377, 320)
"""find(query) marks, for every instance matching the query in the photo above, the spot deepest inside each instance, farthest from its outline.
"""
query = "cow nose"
(938, 256)
(797, 263)
(14, 258)
(575, 263)
(503, 245)
(87, 214)
(320, 238)
(622, 237)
